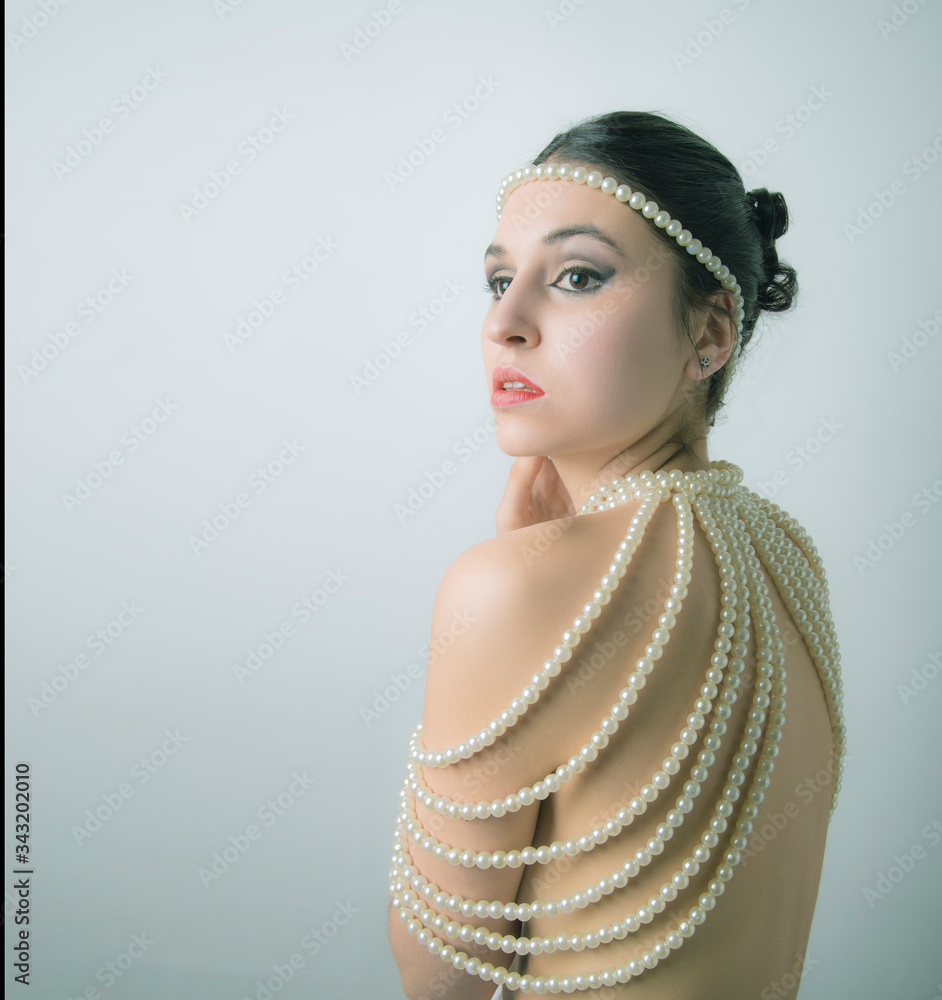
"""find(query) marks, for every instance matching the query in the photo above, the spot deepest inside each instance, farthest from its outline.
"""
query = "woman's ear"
(714, 337)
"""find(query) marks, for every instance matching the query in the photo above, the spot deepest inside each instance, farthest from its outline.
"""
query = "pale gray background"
(333, 509)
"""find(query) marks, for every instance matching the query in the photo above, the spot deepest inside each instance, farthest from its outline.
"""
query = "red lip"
(509, 397)
(507, 373)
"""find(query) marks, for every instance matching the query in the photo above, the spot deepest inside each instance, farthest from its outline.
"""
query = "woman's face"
(583, 310)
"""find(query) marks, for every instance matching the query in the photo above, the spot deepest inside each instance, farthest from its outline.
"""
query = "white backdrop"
(220, 386)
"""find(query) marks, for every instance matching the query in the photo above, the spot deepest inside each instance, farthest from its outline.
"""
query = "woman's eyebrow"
(558, 235)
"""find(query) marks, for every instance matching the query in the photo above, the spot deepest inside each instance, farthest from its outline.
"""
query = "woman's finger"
(515, 509)
(534, 493)
(550, 491)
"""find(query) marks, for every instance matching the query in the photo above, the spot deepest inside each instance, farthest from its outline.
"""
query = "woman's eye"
(496, 286)
(577, 279)
(580, 279)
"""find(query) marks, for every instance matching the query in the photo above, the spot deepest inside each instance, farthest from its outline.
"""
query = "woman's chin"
(519, 444)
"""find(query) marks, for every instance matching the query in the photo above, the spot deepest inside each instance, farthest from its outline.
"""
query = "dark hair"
(692, 180)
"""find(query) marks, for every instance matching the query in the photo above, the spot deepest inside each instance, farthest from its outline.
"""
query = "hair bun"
(769, 212)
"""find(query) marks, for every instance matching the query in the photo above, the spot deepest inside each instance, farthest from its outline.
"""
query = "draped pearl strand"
(745, 533)
(610, 724)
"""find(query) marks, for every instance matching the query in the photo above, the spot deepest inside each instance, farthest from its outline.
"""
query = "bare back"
(679, 830)
(756, 936)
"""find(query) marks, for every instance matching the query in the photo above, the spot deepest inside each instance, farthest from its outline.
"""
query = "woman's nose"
(512, 319)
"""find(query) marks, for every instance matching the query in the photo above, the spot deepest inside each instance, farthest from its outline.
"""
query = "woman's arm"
(469, 684)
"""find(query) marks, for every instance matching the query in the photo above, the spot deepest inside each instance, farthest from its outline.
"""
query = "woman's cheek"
(632, 376)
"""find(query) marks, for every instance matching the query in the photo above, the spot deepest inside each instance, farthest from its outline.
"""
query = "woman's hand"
(534, 493)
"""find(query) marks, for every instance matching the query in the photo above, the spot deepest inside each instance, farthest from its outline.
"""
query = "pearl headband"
(638, 201)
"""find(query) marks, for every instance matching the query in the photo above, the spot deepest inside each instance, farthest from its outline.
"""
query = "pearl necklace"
(743, 529)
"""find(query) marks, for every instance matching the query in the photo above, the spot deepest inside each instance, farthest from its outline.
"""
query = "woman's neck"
(583, 474)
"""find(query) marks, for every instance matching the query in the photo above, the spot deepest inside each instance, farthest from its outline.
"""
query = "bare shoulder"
(516, 564)
(515, 595)
(525, 561)
(501, 590)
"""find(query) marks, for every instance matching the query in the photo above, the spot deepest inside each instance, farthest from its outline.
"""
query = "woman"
(672, 849)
